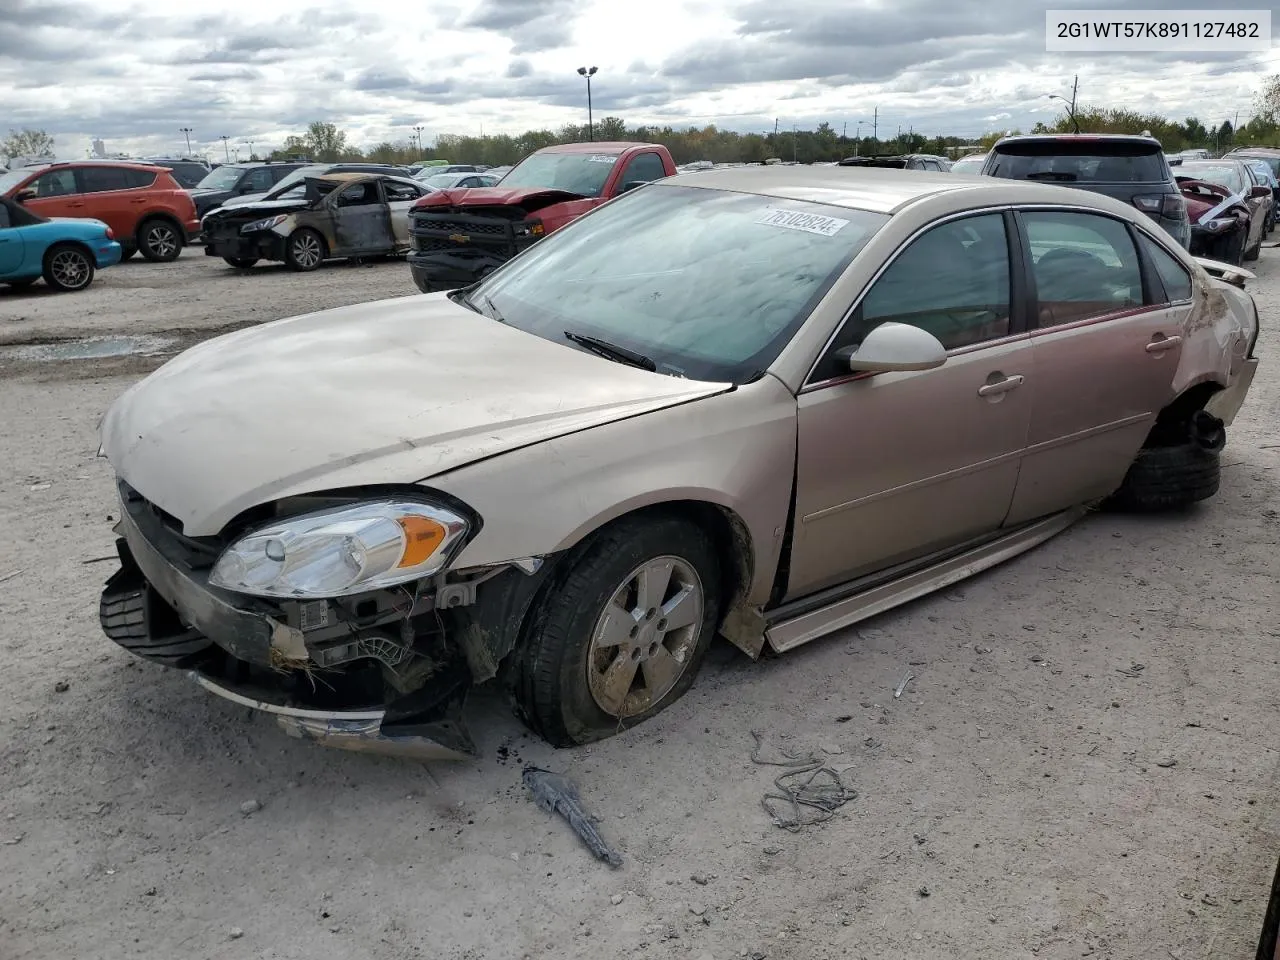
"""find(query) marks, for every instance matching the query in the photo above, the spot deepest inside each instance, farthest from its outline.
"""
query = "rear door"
(109, 194)
(1107, 342)
(400, 198)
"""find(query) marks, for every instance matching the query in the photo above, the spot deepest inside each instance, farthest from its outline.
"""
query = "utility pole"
(875, 124)
(251, 155)
(187, 131)
(844, 132)
(226, 150)
(795, 144)
(589, 72)
(417, 135)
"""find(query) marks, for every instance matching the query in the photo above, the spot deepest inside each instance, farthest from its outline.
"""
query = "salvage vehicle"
(1220, 220)
(458, 181)
(1238, 180)
(910, 161)
(757, 422)
(1262, 174)
(321, 218)
(300, 173)
(66, 253)
(1130, 168)
(237, 180)
(142, 204)
(460, 236)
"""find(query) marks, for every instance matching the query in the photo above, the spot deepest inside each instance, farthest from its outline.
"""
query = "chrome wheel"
(70, 269)
(643, 641)
(161, 241)
(306, 250)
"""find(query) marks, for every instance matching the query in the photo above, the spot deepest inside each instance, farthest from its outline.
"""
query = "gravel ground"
(1083, 765)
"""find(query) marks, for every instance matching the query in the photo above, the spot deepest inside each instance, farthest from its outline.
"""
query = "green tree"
(1267, 102)
(27, 143)
(326, 141)
(611, 128)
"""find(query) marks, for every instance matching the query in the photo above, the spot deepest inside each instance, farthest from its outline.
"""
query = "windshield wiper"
(1049, 175)
(611, 351)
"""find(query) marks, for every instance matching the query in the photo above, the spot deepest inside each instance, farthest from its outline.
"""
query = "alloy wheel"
(70, 268)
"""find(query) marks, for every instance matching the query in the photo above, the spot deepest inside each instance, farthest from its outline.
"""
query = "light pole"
(187, 131)
(226, 150)
(250, 142)
(417, 134)
(857, 136)
(589, 72)
(1071, 104)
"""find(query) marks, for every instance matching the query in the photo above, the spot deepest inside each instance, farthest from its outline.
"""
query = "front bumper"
(159, 606)
(254, 246)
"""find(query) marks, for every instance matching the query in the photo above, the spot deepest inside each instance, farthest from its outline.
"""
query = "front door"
(56, 194)
(361, 222)
(1106, 354)
(894, 466)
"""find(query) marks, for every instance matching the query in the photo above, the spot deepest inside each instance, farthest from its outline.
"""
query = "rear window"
(1090, 161)
(104, 179)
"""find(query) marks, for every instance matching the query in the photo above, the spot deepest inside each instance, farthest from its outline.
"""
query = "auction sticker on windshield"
(808, 222)
(601, 158)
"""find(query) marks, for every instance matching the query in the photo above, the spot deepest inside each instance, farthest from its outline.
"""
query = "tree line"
(323, 141)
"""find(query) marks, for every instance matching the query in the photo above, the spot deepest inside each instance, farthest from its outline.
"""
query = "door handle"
(141, 200)
(1001, 386)
(1160, 344)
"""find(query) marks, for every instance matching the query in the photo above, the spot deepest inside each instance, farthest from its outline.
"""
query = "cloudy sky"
(134, 71)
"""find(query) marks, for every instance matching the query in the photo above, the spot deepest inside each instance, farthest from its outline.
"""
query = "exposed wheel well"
(1171, 423)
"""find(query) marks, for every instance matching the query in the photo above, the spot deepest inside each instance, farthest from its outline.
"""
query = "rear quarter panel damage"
(734, 450)
(1218, 330)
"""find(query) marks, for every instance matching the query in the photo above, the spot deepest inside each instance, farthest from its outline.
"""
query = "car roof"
(1077, 137)
(607, 146)
(94, 162)
(875, 189)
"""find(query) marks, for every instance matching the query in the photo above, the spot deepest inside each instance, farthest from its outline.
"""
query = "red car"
(144, 206)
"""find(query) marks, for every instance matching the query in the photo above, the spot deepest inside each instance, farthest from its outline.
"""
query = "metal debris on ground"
(897, 694)
(811, 790)
(555, 794)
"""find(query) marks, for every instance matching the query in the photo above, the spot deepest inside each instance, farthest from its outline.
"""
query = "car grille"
(489, 228)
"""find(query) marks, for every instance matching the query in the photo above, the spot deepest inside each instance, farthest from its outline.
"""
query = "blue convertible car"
(65, 252)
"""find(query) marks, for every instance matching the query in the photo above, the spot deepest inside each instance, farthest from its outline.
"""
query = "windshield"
(711, 286)
(1223, 174)
(442, 181)
(224, 178)
(580, 173)
(1088, 161)
(968, 165)
(11, 179)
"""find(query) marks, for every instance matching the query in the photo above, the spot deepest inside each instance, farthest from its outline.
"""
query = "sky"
(134, 72)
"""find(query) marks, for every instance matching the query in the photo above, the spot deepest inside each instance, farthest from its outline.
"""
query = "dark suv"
(909, 161)
(1128, 168)
(238, 180)
(187, 171)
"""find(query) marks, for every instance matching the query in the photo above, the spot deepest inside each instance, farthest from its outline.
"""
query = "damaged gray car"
(723, 403)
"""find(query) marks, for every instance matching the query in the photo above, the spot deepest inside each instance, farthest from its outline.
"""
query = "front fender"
(735, 450)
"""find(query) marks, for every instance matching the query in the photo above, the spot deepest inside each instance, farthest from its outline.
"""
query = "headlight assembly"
(264, 224)
(1218, 224)
(338, 552)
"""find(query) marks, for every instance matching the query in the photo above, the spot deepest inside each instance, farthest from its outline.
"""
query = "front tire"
(68, 268)
(304, 250)
(1175, 476)
(159, 241)
(622, 633)
(241, 263)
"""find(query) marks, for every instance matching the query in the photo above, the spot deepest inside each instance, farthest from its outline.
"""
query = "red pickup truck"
(458, 236)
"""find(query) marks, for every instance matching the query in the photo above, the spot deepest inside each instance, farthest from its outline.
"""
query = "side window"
(932, 165)
(398, 192)
(952, 281)
(1174, 276)
(359, 194)
(103, 179)
(1083, 265)
(259, 180)
(278, 173)
(644, 167)
(55, 183)
(139, 179)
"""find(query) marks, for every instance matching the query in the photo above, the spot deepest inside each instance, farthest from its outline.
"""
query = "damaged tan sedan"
(764, 404)
(322, 218)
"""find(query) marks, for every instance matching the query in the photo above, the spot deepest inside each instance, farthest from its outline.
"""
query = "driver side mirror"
(896, 346)
(22, 196)
(631, 185)
(1260, 192)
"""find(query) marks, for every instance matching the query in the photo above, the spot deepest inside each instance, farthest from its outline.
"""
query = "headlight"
(265, 224)
(1219, 224)
(529, 228)
(334, 553)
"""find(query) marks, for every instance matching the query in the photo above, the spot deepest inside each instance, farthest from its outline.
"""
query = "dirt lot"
(1084, 764)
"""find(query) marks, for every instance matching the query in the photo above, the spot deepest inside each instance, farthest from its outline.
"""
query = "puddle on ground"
(87, 348)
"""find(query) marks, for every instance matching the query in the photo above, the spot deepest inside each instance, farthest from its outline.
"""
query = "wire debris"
(811, 790)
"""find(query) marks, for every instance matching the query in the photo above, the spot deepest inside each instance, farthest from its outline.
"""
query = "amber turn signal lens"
(421, 538)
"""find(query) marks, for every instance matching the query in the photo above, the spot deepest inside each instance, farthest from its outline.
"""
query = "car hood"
(394, 391)
(245, 200)
(264, 207)
(499, 196)
(201, 193)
